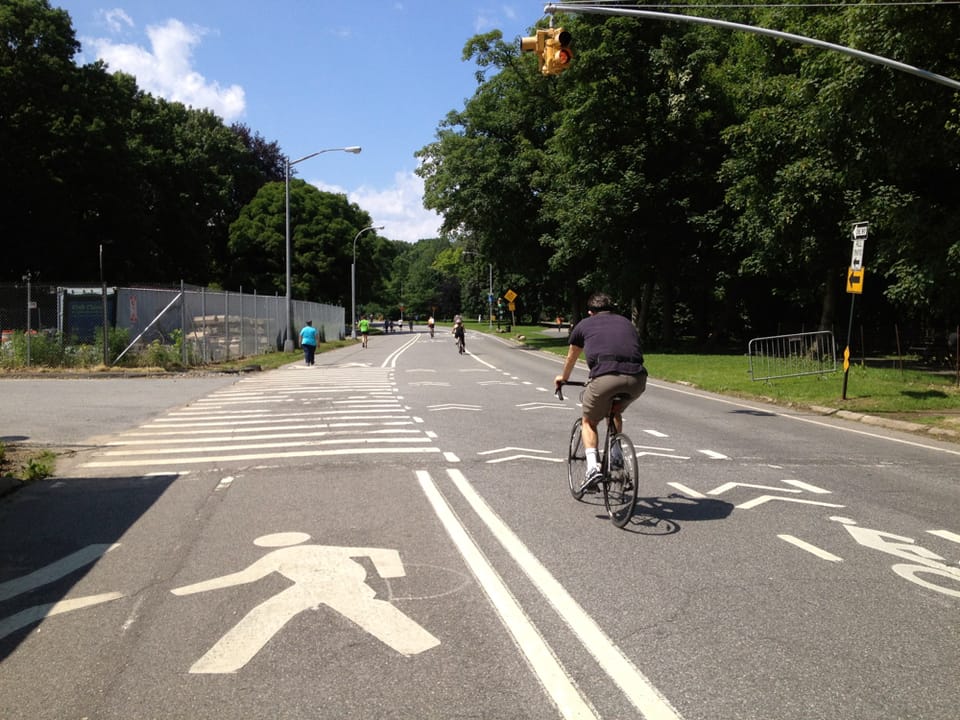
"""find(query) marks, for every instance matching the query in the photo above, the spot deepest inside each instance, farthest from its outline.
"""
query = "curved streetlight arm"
(353, 279)
(350, 149)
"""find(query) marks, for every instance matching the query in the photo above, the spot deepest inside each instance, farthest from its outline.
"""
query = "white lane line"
(260, 456)
(946, 535)
(542, 661)
(637, 688)
(812, 549)
(714, 455)
(808, 487)
(350, 440)
(689, 492)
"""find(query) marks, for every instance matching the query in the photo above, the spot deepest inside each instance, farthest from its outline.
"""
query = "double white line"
(558, 684)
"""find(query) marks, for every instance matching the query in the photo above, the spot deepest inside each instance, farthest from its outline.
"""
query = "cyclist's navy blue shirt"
(611, 344)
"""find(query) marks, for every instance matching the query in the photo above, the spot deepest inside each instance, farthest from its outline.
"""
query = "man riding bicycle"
(615, 359)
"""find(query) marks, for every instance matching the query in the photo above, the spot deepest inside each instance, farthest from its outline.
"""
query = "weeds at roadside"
(26, 464)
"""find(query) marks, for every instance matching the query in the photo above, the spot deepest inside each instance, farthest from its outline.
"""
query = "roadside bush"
(44, 349)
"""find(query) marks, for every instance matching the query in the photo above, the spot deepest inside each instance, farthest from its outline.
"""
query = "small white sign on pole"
(859, 240)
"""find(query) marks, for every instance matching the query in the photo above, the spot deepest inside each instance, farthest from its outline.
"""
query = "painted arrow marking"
(511, 447)
(767, 498)
(543, 406)
(522, 456)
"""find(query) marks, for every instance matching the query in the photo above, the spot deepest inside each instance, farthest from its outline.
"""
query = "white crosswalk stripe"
(290, 413)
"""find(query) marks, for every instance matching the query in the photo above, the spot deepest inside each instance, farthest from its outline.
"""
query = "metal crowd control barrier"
(780, 356)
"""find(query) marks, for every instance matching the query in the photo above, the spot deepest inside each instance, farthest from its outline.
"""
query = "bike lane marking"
(538, 653)
(632, 682)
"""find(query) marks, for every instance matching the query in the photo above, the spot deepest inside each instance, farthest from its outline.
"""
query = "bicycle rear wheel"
(576, 461)
(620, 488)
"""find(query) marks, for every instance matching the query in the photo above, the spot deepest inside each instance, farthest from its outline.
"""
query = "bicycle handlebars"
(560, 385)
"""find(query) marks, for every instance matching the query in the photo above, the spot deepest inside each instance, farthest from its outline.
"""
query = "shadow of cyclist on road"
(663, 516)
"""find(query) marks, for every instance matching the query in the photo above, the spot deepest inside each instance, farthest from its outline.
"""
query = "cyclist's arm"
(573, 354)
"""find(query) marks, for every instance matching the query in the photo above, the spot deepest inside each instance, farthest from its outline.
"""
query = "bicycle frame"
(619, 486)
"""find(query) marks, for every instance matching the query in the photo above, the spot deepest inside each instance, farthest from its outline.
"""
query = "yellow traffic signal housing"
(552, 48)
(535, 43)
(557, 55)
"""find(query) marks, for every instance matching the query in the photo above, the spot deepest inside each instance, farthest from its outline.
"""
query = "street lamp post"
(490, 293)
(353, 281)
(288, 340)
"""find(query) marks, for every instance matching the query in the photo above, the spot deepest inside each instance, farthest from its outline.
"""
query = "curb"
(888, 423)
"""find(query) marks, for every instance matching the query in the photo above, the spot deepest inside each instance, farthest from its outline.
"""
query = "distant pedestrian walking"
(364, 326)
(308, 341)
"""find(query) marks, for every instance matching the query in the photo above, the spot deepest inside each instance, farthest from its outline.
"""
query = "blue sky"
(312, 75)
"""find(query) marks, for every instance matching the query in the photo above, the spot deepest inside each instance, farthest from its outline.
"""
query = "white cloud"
(166, 69)
(117, 20)
(399, 208)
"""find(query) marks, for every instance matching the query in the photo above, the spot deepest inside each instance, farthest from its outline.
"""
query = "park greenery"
(708, 179)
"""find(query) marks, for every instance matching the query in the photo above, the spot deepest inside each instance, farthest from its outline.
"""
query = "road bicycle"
(461, 344)
(619, 480)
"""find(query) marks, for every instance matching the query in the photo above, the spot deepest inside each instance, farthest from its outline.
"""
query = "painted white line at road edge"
(634, 684)
(538, 654)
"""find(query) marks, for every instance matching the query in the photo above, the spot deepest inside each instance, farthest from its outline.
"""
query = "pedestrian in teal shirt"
(308, 341)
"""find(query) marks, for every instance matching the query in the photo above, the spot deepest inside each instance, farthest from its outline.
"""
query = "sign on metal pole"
(855, 280)
(854, 287)
(859, 240)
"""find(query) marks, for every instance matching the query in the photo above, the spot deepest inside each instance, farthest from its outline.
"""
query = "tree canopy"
(710, 179)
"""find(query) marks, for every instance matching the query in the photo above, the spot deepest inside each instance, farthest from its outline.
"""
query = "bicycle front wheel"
(576, 461)
(620, 488)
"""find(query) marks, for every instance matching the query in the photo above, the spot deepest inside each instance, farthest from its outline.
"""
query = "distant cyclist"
(460, 335)
(430, 324)
(615, 359)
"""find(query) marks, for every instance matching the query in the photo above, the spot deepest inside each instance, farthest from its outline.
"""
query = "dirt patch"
(17, 457)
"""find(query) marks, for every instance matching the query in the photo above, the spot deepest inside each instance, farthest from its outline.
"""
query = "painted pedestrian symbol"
(321, 575)
(49, 574)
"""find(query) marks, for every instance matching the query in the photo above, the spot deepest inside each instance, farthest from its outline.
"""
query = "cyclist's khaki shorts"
(600, 391)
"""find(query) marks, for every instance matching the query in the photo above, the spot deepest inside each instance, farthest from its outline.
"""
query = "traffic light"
(557, 54)
(552, 46)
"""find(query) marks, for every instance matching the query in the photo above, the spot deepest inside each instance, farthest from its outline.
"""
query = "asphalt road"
(388, 534)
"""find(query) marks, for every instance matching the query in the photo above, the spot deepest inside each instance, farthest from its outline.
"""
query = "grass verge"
(878, 388)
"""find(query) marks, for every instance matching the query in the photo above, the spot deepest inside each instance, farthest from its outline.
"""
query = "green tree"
(322, 228)
(482, 174)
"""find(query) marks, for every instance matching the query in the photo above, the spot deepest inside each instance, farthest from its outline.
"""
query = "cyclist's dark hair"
(599, 302)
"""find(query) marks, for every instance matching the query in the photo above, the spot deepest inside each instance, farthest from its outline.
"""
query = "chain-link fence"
(207, 325)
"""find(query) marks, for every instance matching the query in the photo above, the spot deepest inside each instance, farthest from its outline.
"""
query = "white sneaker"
(594, 475)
